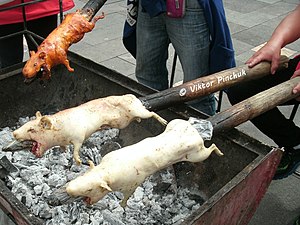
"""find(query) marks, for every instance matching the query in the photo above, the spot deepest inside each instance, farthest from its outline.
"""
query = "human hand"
(270, 53)
(296, 89)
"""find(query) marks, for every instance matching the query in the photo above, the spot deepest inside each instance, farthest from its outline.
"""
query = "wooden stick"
(208, 85)
(254, 106)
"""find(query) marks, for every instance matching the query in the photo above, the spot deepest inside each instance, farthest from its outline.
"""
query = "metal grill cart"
(234, 184)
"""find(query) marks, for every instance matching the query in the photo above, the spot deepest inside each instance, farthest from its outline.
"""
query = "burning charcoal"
(20, 189)
(156, 208)
(138, 194)
(189, 203)
(148, 186)
(56, 181)
(58, 216)
(131, 220)
(63, 161)
(6, 136)
(58, 157)
(97, 139)
(118, 195)
(37, 180)
(88, 154)
(111, 219)
(96, 220)
(71, 175)
(178, 218)
(38, 189)
(28, 200)
(113, 203)
(196, 206)
(45, 211)
(109, 146)
(102, 204)
(45, 187)
(84, 218)
(119, 211)
(24, 120)
(26, 174)
(168, 200)
(36, 209)
(98, 216)
(74, 212)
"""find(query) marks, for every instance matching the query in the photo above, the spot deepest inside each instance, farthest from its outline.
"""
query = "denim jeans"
(189, 36)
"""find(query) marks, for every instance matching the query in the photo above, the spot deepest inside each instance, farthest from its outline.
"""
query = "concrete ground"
(251, 23)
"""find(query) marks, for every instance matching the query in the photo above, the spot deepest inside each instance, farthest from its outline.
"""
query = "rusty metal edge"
(243, 194)
(15, 209)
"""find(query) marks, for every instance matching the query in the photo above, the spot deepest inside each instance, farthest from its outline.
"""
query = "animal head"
(34, 130)
(35, 64)
(91, 185)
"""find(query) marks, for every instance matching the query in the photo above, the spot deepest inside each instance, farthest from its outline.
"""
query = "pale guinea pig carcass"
(125, 169)
(75, 125)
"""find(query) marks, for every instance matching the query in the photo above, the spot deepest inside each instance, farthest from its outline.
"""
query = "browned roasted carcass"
(53, 50)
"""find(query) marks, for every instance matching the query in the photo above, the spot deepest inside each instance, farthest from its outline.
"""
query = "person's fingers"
(254, 60)
(296, 74)
(274, 63)
(296, 90)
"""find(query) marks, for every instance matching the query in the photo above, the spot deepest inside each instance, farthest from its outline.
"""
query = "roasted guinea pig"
(74, 125)
(53, 50)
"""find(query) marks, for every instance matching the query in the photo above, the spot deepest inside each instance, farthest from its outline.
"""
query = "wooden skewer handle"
(208, 85)
(254, 106)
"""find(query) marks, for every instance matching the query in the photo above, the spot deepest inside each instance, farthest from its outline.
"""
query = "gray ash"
(157, 201)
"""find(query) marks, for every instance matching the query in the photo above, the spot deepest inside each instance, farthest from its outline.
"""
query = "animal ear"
(38, 114)
(42, 55)
(32, 53)
(45, 123)
(103, 184)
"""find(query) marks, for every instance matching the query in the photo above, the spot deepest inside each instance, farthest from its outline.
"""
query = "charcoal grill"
(234, 184)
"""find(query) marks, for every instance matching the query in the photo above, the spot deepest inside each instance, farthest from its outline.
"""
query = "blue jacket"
(221, 48)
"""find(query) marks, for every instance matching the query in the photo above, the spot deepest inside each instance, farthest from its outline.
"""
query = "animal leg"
(98, 17)
(76, 156)
(159, 118)
(214, 148)
(126, 197)
(67, 64)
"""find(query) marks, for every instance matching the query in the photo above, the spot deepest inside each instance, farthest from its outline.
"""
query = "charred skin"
(53, 50)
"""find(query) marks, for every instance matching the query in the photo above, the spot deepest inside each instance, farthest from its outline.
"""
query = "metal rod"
(294, 111)
(173, 70)
(61, 13)
(91, 8)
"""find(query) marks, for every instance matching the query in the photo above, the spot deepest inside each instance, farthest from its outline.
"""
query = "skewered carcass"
(125, 169)
(53, 50)
(75, 125)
